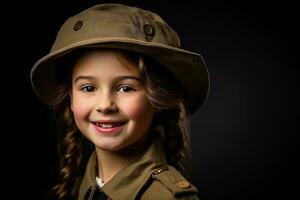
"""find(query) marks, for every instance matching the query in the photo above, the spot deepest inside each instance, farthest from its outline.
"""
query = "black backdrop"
(240, 137)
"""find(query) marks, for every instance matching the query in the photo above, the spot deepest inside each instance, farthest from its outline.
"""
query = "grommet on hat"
(149, 32)
(77, 25)
(124, 27)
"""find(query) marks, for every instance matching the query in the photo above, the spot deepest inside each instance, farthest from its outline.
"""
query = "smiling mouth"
(109, 124)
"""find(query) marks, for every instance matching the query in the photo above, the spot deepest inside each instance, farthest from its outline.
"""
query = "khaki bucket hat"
(124, 27)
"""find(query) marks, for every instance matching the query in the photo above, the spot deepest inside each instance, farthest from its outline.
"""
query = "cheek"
(80, 112)
(80, 109)
(137, 108)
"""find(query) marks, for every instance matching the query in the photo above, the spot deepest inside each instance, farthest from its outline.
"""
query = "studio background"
(239, 137)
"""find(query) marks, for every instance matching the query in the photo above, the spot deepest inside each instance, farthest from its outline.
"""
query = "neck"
(111, 162)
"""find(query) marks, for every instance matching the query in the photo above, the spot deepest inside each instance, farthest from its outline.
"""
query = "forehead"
(104, 62)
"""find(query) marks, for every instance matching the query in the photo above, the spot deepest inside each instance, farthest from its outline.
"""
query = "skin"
(105, 89)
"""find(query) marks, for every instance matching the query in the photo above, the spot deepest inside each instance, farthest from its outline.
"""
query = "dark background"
(243, 138)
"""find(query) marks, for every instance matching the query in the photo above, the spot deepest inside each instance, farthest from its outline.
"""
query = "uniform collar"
(129, 181)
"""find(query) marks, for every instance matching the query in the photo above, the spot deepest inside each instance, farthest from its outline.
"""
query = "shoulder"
(169, 184)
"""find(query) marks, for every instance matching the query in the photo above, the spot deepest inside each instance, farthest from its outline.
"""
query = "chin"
(109, 147)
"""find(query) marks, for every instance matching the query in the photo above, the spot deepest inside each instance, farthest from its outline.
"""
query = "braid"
(184, 151)
(70, 149)
(69, 145)
(175, 135)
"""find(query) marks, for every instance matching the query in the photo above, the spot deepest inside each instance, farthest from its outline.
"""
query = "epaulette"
(174, 181)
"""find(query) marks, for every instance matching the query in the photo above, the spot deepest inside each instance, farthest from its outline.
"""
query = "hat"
(124, 27)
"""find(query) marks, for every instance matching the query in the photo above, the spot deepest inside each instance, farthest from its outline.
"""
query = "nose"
(106, 104)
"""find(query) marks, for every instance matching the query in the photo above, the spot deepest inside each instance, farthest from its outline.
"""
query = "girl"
(122, 90)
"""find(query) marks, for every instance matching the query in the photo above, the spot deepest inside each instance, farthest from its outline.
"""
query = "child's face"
(109, 101)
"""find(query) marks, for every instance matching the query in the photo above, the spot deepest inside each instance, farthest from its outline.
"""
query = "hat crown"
(115, 21)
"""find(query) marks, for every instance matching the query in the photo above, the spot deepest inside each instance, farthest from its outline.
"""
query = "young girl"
(121, 89)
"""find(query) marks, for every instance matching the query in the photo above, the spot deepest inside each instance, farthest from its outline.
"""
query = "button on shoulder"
(175, 183)
(183, 184)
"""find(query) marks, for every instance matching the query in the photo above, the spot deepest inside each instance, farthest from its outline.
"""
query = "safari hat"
(124, 27)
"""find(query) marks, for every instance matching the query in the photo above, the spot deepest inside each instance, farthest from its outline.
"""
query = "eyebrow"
(118, 78)
(83, 78)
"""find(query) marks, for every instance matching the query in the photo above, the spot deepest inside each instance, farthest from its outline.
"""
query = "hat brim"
(187, 67)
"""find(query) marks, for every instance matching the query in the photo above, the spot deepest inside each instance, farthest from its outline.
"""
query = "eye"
(88, 88)
(125, 88)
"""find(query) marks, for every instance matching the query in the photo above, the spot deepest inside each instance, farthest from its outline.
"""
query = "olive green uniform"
(148, 178)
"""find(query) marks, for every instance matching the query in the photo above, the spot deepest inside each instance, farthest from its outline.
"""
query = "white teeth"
(109, 125)
(106, 125)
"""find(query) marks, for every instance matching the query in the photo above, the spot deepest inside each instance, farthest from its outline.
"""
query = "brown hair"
(170, 122)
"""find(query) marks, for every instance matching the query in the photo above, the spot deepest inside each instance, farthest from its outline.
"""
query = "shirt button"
(183, 184)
